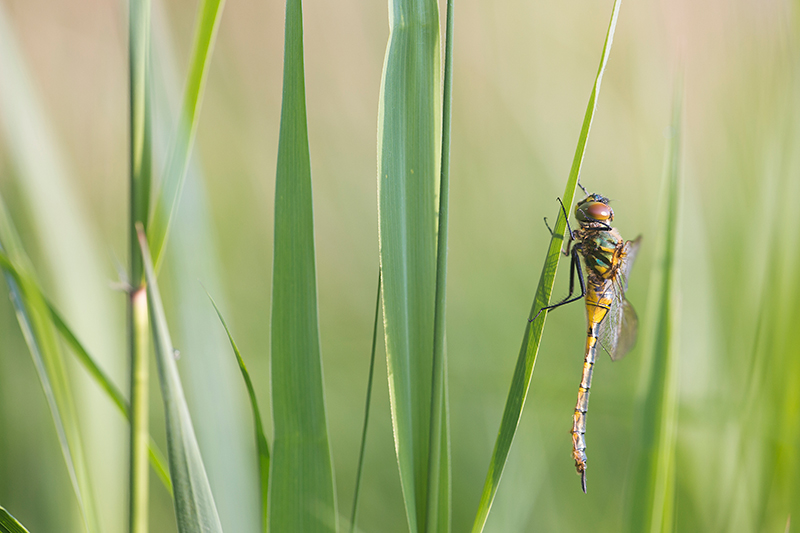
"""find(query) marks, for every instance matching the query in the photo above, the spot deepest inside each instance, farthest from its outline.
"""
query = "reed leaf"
(205, 33)
(408, 152)
(34, 319)
(195, 509)
(533, 332)
(261, 440)
(302, 496)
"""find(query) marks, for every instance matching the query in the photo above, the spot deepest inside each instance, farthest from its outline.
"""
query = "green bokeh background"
(522, 76)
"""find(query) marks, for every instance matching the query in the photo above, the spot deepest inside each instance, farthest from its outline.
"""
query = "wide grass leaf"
(652, 492)
(408, 151)
(533, 333)
(301, 489)
(195, 510)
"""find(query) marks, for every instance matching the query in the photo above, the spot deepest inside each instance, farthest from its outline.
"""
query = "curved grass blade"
(34, 320)
(653, 488)
(367, 404)
(302, 495)
(9, 524)
(533, 333)
(408, 150)
(261, 440)
(438, 486)
(194, 504)
(157, 459)
(210, 14)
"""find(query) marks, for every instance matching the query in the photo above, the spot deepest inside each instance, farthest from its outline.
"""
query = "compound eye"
(599, 211)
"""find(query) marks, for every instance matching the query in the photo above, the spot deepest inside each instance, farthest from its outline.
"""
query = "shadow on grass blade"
(533, 332)
(194, 504)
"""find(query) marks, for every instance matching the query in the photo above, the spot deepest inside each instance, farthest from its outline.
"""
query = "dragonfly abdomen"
(598, 303)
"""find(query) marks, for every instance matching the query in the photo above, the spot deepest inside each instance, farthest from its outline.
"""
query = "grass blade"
(533, 332)
(194, 504)
(37, 328)
(98, 374)
(408, 150)
(367, 403)
(9, 524)
(261, 440)
(653, 487)
(210, 14)
(302, 496)
(438, 487)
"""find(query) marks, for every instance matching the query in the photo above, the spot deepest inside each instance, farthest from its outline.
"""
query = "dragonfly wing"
(619, 329)
(628, 331)
(629, 256)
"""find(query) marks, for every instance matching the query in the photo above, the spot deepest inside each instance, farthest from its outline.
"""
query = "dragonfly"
(612, 321)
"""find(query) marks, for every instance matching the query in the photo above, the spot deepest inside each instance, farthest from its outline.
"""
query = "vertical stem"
(139, 411)
(140, 168)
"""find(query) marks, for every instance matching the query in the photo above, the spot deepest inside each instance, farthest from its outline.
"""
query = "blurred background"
(523, 73)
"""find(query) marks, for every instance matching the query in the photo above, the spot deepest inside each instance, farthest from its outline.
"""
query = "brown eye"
(599, 211)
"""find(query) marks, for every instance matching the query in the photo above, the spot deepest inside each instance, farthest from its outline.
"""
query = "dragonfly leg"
(583, 188)
(575, 271)
(569, 228)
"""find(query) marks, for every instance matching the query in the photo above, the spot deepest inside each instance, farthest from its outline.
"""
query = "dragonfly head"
(594, 209)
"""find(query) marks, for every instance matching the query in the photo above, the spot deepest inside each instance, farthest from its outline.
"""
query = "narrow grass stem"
(139, 411)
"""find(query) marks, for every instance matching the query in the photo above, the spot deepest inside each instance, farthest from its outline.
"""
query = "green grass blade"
(40, 335)
(367, 404)
(210, 14)
(533, 333)
(302, 496)
(9, 524)
(261, 440)
(157, 459)
(194, 504)
(653, 487)
(438, 486)
(408, 150)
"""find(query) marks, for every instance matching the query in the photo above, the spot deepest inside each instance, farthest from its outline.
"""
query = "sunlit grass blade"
(367, 404)
(208, 19)
(194, 504)
(261, 440)
(438, 486)
(652, 491)
(98, 374)
(302, 495)
(533, 333)
(9, 524)
(40, 335)
(408, 152)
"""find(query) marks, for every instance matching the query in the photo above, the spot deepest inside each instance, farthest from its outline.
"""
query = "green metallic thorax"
(601, 251)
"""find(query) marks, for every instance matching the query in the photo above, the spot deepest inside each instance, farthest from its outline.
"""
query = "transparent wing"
(619, 329)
